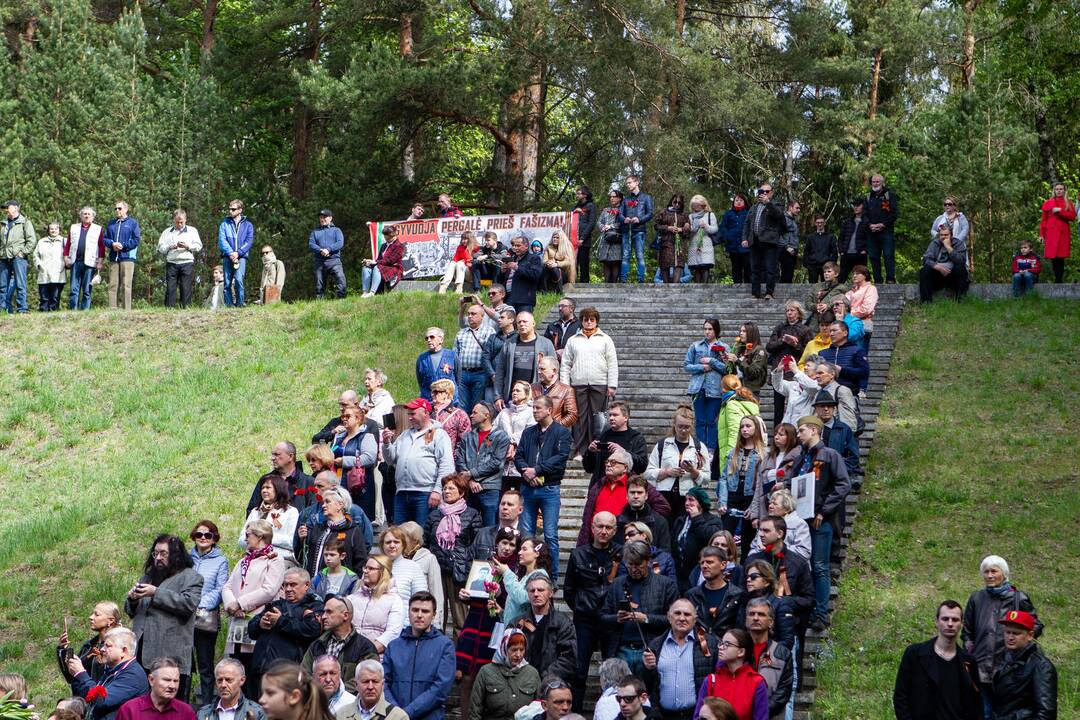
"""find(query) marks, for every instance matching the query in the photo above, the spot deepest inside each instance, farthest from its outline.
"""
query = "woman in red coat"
(1054, 230)
(387, 268)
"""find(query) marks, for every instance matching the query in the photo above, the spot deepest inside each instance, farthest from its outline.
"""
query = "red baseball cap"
(418, 403)
(1018, 617)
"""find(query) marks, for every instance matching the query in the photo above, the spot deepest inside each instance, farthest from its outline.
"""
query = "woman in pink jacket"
(255, 581)
(1054, 230)
(863, 297)
(378, 612)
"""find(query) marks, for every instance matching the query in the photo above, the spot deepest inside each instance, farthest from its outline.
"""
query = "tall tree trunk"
(967, 63)
(1046, 148)
(521, 121)
(302, 115)
(210, 8)
(875, 82)
(674, 99)
(405, 48)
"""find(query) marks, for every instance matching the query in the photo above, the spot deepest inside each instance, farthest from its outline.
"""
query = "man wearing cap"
(836, 434)
(17, 243)
(326, 242)
(122, 237)
(1025, 686)
(831, 488)
(421, 456)
(938, 678)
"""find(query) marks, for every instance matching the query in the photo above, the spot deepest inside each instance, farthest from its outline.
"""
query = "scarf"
(449, 528)
(728, 394)
(269, 511)
(504, 646)
(250, 555)
(1000, 590)
(589, 333)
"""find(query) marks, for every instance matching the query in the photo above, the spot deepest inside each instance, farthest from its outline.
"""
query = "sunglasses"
(753, 576)
(202, 535)
(431, 337)
(626, 698)
(950, 204)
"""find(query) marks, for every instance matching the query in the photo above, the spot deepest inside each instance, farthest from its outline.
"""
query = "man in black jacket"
(937, 678)
(618, 433)
(819, 247)
(715, 601)
(853, 233)
(283, 460)
(286, 626)
(793, 578)
(564, 327)
(589, 573)
(524, 271)
(638, 510)
(762, 233)
(483, 545)
(704, 647)
(340, 641)
(882, 209)
(552, 643)
(636, 605)
(1025, 686)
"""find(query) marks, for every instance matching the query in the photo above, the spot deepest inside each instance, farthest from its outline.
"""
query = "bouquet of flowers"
(492, 588)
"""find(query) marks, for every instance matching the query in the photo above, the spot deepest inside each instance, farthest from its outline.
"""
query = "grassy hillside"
(974, 455)
(114, 427)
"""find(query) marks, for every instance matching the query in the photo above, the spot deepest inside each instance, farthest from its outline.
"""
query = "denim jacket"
(699, 378)
(729, 481)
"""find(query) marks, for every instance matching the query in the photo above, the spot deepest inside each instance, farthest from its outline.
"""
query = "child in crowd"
(1026, 266)
(49, 261)
(459, 264)
(217, 293)
(334, 578)
(487, 260)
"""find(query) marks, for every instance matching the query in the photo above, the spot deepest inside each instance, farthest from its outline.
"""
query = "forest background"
(366, 106)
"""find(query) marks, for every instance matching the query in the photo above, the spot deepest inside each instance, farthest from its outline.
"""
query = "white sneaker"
(368, 294)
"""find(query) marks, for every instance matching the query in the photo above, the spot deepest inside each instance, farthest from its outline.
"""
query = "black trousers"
(787, 265)
(1058, 265)
(740, 267)
(184, 274)
(847, 262)
(584, 252)
(930, 281)
(205, 644)
(813, 273)
(763, 261)
(49, 296)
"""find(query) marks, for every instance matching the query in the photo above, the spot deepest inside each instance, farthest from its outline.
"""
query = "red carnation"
(98, 692)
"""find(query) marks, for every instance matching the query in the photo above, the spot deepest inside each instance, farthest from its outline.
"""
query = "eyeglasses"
(265, 252)
(234, 209)
(950, 204)
(431, 337)
(728, 644)
(119, 208)
(160, 553)
(626, 698)
(493, 292)
(202, 535)
(631, 533)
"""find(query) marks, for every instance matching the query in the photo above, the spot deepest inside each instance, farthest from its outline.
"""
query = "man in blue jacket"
(435, 363)
(122, 237)
(541, 459)
(124, 678)
(851, 358)
(635, 212)
(236, 235)
(419, 665)
(326, 242)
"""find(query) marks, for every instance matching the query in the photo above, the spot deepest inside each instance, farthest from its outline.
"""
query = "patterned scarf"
(250, 555)
(449, 528)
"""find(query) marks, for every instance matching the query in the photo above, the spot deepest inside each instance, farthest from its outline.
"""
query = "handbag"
(208, 620)
(356, 478)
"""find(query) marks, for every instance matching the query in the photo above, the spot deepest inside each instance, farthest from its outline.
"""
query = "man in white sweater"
(591, 366)
(422, 456)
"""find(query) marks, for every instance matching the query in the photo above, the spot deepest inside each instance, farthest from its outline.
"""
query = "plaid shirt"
(470, 352)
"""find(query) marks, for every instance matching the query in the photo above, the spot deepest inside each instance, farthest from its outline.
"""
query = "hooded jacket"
(419, 672)
(499, 690)
(731, 227)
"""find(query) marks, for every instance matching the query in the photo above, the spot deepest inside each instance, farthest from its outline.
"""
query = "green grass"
(974, 455)
(117, 426)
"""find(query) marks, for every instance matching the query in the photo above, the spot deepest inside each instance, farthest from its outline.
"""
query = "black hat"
(325, 212)
(11, 203)
(824, 397)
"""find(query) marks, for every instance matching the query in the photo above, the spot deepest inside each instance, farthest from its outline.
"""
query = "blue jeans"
(820, 550)
(1023, 282)
(633, 659)
(486, 502)
(637, 240)
(13, 282)
(332, 266)
(547, 500)
(411, 505)
(471, 388)
(878, 244)
(81, 275)
(370, 279)
(234, 282)
(706, 411)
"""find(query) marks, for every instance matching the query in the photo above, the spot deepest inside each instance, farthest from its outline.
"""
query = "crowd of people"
(761, 239)
(414, 547)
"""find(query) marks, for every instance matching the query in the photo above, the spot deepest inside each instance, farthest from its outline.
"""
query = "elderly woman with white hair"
(700, 256)
(782, 504)
(983, 634)
(336, 504)
(612, 672)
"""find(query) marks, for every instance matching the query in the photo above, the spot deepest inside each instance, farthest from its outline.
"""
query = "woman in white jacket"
(800, 390)
(276, 509)
(49, 261)
(513, 419)
(409, 578)
(679, 462)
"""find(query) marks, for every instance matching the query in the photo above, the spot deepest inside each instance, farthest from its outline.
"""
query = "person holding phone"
(105, 617)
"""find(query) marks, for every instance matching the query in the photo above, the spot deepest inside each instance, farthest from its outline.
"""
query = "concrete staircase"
(652, 326)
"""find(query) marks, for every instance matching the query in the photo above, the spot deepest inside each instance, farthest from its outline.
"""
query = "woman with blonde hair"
(105, 617)
(254, 582)
(453, 419)
(512, 420)
(700, 257)
(672, 233)
(738, 477)
(736, 403)
(679, 462)
(409, 578)
(378, 612)
(428, 564)
(559, 271)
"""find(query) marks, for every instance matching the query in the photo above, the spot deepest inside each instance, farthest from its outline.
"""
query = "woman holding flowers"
(706, 365)
(474, 641)
(748, 358)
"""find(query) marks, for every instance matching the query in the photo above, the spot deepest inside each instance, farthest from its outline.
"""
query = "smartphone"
(624, 606)
(389, 422)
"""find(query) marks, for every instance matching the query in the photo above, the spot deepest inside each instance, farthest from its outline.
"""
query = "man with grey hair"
(340, 641)
(84, 252)
(123, 680)
(371, 702)
(229, 677)
(327, 672)
(677, 663)
(122, 236)
(17, 243)
(179, 244)
(636, 605)
(552, 642)
(286, 626)
(435, 363)
(474, 368)
(881, 211)
(161, 702)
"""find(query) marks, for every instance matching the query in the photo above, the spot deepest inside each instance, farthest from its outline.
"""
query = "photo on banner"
(429, 244)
